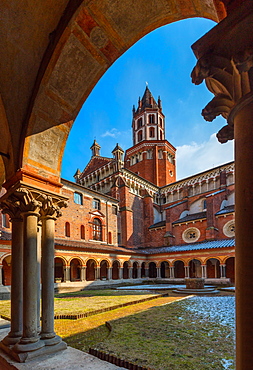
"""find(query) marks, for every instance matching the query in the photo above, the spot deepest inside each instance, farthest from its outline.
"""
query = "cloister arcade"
(78, 270)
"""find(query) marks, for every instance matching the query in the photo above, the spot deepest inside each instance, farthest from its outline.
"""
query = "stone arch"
(104, 265)
(75, 269)
(213, 268)
(59, 264)
(195, 268)
(91, 268)
(6, 270)
(126, 270)
(135, 270)
(165, 269)
(68, 66)
(179, 272)
(115, 270)
(152, 270)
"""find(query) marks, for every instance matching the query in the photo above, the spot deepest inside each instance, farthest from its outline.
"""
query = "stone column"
(110, 273)
(1, 274)
(130, 273)
(83, 275)
(139, 272)
(172, 274)
(16, 278)
(187, 271)
(121, 272)
(158, 272)
(146, 272)
(39, 272)
(222, 271)
(30, 339)
(204, 274)
(66, 272)
(227, 67)
(96, 273)
(49, 213)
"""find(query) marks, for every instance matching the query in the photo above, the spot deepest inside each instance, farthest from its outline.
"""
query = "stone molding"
(22, 200)
(225, 61)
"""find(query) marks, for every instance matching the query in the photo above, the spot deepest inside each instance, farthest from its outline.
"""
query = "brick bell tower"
(151, 156)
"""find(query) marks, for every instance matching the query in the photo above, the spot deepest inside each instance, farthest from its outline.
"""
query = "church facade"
(128, 217)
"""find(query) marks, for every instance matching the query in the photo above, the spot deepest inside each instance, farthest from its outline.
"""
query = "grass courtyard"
(193, 333)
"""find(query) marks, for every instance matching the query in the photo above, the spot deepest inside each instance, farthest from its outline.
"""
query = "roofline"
(88, 189)
(197, 174)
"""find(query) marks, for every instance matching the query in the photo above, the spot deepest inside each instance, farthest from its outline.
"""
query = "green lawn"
(167, 337)
(87, 300)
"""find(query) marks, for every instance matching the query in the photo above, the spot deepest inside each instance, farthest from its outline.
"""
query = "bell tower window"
(151, 118)
(151, 132)
(140, 135)
(139, 123)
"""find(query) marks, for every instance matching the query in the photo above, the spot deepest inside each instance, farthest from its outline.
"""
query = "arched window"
(140, 135)
(139, 123)
(161, 135)
(97, 229)
(82, 232)
(161, 122)
(151, 118)
(110, 237)
(67, 229)
(151, 132)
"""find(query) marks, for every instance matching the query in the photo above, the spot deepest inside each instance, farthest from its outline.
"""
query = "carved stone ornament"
(23, 200)
(225, 62)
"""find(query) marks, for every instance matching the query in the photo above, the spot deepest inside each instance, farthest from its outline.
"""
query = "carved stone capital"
(225, 62)
(51, 207)
(22, 200)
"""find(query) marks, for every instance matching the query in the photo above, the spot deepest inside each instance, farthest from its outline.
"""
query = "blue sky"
(165, 60)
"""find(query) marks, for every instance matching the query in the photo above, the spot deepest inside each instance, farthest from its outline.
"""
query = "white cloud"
(112, 133)
(195, 158)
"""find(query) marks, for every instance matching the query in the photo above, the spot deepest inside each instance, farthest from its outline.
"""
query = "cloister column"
(225, 61)
(83, 273)
(109, 273)
(121, 272)
(172, 271)
(146, 272)
(139, 272)
(30, 340)
(222, 271)
(10, 206)
(130, 276)
(66, 273)
(96, 273)
(1, 274)
(187, 271)
(158, 272)
(50, 211)
(204, 274)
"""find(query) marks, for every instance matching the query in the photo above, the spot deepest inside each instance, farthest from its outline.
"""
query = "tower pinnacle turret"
(148, 119)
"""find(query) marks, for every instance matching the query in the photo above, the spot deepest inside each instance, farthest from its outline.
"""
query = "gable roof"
(95, 163)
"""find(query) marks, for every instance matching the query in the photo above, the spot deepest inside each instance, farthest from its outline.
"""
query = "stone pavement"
(69, 359)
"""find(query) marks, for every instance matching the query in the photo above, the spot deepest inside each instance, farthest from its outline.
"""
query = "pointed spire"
(117, 148)
(147, 101)
(95, 149)
(77, 175)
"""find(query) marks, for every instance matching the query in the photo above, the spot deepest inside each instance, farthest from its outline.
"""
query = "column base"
(50, 340)
(29, 355)
(12, 338)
